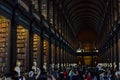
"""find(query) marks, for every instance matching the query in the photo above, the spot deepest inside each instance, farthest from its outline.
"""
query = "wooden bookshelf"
(46, 49)
(4, 42)
(36, 47)
(22, 46)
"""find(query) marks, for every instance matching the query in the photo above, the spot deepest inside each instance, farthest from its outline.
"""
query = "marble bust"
(36, 70)
(17, 68)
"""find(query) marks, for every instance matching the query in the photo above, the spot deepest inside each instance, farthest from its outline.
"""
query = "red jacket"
(88, 77)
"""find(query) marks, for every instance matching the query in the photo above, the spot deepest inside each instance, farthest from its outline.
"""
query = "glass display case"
(22, 46)
(4, 42)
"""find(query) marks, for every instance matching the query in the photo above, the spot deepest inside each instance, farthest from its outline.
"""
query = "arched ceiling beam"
(83, 11)
(81, 18)
(89, 4)
(68, 2)
(85, 22)
(94, 8)
(93, 17)
(80, 28)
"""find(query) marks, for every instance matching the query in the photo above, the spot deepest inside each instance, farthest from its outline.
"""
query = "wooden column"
(112, 54)
(55, 55)
(110, 51)
(30, 47)
(92, 61)
(49, 54)
(13, 48)
(82, 61)
(117, 53)
(42, 52)
(63, 56)
(60, 56)
(30, 63)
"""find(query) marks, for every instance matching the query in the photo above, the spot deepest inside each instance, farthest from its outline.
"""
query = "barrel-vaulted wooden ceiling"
(84, 16)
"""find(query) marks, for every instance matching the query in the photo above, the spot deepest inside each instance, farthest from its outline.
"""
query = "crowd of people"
(65, 73)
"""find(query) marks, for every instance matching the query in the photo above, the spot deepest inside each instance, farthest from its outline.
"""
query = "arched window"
(51, 12)
(44, 8)
(35, 5)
